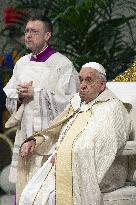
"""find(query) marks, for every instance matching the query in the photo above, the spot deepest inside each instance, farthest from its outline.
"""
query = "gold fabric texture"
(64, 160)
(128, 76)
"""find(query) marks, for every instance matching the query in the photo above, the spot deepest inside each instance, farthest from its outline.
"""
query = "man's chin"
(83, 97)
(28, 46)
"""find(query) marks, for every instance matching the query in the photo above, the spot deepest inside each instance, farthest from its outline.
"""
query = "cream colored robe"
(54, 82)
(92, 167)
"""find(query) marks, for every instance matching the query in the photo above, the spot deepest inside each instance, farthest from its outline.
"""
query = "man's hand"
(25, 90)
(27, 148)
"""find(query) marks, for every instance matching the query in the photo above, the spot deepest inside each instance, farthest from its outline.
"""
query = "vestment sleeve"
(52, 102)
(11, 92)
(114, 134)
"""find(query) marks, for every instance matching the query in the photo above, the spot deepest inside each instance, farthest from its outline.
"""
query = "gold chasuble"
(64, 190)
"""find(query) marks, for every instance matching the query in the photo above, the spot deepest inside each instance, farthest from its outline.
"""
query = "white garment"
(95, 165)
(54, 82)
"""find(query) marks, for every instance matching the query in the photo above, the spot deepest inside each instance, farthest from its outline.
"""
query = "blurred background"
(84, 30)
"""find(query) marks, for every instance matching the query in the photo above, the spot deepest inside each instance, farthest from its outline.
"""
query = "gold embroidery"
(128, 76)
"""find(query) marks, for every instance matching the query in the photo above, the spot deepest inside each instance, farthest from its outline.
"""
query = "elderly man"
(40, 88)
(90, 132)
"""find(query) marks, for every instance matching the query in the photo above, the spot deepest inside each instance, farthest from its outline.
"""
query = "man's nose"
(83, 85)
(28, 35)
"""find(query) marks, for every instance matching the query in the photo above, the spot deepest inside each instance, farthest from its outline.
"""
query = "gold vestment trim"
(64, 187)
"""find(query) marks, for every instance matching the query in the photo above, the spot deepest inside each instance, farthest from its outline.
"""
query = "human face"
(36, 37)
(91, 84)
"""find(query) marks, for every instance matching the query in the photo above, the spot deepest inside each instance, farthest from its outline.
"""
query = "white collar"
(104, 96)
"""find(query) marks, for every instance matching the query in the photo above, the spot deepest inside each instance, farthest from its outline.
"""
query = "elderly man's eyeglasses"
(31, 31)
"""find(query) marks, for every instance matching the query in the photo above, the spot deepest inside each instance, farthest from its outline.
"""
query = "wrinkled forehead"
(88, 72)
(35, 24)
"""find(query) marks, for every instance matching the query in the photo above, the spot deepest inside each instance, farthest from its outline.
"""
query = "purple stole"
(43, 56)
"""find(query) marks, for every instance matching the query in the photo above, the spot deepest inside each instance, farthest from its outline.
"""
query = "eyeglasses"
(33, 32)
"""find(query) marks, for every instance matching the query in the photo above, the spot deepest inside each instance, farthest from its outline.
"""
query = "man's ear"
(103, 83)
(47, 36)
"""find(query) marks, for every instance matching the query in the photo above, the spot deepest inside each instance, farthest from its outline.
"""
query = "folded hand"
(25, 90)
